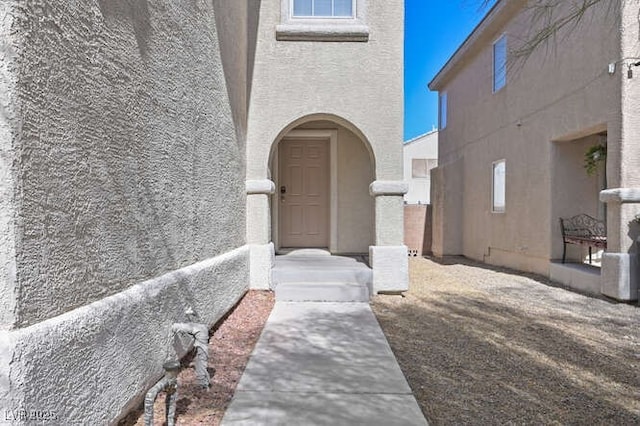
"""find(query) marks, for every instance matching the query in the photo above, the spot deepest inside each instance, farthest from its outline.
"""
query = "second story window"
(500, 63)
(323, 20)
(443, 110)
(323, 8)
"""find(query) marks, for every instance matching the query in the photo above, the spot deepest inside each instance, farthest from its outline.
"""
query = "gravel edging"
(231, 342)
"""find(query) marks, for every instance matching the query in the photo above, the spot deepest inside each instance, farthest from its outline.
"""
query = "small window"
(500, 63)
(443, 110)
(499, 186)
(323, 8)
(421, 167)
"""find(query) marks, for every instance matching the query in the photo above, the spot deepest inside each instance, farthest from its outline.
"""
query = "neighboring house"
(142, 143)
(420, 157)
(513, 138)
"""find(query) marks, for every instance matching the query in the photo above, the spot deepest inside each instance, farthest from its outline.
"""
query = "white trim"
(332, 136)
(388, 187)
(320, 28)
(493, 186)
(620, 195)
(333, 203)
(260, 186)
(275, 204)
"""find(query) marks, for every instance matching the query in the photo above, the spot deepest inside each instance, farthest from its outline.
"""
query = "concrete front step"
(321, 292)
(311, 275)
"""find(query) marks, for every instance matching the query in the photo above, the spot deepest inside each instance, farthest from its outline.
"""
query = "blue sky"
(433, 31)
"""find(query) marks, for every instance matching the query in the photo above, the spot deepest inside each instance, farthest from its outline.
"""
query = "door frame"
(332, 136)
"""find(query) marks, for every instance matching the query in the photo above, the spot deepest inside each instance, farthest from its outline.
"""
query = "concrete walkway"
(323, 363)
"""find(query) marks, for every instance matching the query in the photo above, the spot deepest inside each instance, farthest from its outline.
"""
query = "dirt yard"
(488, 346)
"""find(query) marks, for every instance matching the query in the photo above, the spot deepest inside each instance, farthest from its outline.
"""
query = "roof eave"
(497, 15)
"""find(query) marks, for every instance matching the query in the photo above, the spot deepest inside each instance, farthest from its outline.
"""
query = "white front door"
(303, 192)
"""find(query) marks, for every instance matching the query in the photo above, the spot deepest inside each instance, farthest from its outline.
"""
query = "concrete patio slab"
(578, 276)
(320, 363)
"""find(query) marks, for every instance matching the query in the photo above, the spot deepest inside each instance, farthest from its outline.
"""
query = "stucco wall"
(232, 24)
(627, 166)
(560, 93)
(126, 195)
(91, 365)
(361, 82)
(8, 129)
(127, 159)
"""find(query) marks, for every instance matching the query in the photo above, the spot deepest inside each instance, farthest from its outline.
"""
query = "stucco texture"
(357, 87)
(360, 83)
(91, 365)
(126, 160)
(124, 197)
(9, 125)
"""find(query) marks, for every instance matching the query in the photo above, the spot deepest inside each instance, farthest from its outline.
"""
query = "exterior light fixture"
(630, 70)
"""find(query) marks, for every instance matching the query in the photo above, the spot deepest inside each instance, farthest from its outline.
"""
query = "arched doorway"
(322, 169)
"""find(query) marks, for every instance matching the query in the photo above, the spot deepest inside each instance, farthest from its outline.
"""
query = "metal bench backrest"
(583, 226)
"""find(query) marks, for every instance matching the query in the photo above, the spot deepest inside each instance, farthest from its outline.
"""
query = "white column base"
(262, 259)
(620, 276)
(390, 266)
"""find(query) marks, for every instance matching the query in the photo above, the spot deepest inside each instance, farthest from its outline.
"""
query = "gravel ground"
(483, 345)
(231, 342)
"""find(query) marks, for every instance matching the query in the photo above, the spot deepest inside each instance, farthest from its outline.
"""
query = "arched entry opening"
(322, 167)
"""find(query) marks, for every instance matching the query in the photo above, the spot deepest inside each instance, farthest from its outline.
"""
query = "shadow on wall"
(253, 21)
(483, 361)
(137, 11)
(237, 30)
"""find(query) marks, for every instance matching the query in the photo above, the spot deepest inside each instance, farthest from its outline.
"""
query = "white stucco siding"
(127, 160)
(234, 36)
(9, 127)
(125, 199)
(359, 82)
(562, 93)
(93, 364)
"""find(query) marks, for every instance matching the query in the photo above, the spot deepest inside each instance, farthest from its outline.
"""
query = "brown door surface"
(303, 193)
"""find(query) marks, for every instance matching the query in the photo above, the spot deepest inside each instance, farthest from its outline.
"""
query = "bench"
(583, 230)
